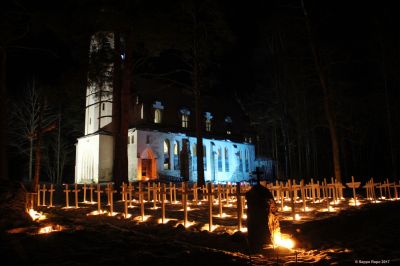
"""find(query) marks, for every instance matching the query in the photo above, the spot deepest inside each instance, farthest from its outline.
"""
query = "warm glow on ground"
(166, 220)
(206, 227)
(139, 218)
(282, 240)
(89, 202)
(351, 202)
(49, 229)
(223, 215)
(36, 216)
(188, 223)
(96, 213)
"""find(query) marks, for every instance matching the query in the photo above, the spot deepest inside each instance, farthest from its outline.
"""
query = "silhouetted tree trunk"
(3, 115)
(121, 87)
(38, 153)
(198, 111)
(327, 97)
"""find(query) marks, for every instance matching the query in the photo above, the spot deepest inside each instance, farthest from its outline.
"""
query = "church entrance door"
(146, 168)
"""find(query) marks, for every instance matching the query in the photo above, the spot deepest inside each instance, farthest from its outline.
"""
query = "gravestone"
(258, 207)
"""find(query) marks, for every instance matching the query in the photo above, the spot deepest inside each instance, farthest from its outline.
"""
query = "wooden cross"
(332, 187)
(170, 192)
(184, 202)
(163, 195)
(154, 195)
(220, 200)
(51, 190)
(303, 196)
(353, 185)
(141, 195)
(91, 188)
(66, 195)
(395, 186)
(174, 189)
(38, 195)
(239, 203)
(291, 195)
(111, 192)
(76, 190)
(124, 196)
(130, 191)
(339, 188)
(195, 196)
(148, 190)
(388, 185)
(107, 190)
(84, 192)
(44, 195)
(98, 191)
(210, 205)
(122, 192)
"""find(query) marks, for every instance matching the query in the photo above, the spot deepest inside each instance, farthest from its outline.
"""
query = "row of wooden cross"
(315, 192)
(156, 192)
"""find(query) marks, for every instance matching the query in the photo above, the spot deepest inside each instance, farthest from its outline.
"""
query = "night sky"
(266, 41)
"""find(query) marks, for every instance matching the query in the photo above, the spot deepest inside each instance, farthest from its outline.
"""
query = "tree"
(327, 96)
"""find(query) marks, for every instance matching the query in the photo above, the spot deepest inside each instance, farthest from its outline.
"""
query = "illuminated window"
(239, 157)
(141, 112)
(185, 121)
(208, 118)
(228, 132)
(226, 160)
(157, 116)
(158, 107)
(185, 117)
(176, 155)
(166, 155)
(208, 125)
(219, 154)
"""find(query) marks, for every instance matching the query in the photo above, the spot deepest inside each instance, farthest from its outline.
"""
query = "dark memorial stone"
(259, 199)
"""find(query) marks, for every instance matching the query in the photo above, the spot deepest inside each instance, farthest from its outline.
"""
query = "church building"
(161, 126)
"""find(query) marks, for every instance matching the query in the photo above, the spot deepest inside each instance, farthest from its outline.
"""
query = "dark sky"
(353, 39)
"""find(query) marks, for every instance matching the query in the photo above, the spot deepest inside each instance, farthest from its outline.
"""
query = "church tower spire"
(98, 113)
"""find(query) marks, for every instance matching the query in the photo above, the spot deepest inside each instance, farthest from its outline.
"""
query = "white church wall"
(155, 141)
(87, 154)
(106, 158)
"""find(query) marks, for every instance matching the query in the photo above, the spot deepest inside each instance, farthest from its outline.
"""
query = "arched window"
(219, 154)
(185, 113)
(166, 155)
(246, 160)
(208, 125)
(239, 154)
(176, 155)
(205, 157)
(157, 116)
(185, 120)
(208, 118)
(226, 160)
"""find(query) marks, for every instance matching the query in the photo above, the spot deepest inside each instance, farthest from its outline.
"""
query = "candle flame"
(36, 216)
(282, 240)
